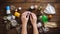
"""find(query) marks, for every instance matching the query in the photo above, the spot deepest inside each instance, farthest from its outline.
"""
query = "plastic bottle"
(8, 10)
(44, 19)
(16, 14)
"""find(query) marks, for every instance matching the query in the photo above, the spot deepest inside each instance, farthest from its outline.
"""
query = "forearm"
(35, 29)
(24, 29)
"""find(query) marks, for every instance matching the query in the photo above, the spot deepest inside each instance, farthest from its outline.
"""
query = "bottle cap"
(7, 7)
(32, 7)
(19, 8)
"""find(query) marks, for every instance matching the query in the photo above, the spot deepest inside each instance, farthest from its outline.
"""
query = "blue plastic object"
(7, 7)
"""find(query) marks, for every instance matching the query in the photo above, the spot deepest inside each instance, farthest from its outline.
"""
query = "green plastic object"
(44, 19)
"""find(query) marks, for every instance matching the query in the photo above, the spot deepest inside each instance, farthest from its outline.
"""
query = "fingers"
(32, 15)
(25, 17)
(26, 14)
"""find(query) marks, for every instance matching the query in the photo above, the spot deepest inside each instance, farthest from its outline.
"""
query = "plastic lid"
(19, 8)
(7, 7)
(32, 7)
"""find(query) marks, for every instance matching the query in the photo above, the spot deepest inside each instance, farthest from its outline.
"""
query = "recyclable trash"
(8, 10)
(17, 14)
(49, 9)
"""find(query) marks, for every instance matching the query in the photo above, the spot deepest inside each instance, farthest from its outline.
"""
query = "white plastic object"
(9, 17)
(13, 17)
(49, 9)
(19, 8)
(39, 24)
(8, 11)
(46, 29)
(32, 7)
(14, 23)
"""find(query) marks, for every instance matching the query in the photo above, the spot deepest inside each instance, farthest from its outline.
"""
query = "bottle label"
(8, 12)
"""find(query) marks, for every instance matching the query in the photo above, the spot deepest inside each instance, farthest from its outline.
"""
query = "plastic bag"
(49, 9)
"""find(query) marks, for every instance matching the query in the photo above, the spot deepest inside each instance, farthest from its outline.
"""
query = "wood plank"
(29, 1)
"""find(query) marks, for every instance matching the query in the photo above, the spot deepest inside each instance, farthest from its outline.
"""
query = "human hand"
(33, 18)
(25, 17)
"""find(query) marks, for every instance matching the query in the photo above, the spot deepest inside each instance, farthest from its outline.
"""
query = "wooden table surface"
(25, 4)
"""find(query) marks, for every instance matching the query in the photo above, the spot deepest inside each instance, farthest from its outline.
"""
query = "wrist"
(35, 25)
(24, 25)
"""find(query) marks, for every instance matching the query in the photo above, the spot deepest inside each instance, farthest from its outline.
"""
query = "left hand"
(25, 17)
